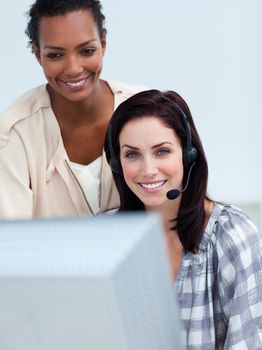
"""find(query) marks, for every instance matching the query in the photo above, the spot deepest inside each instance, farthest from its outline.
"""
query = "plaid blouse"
(220, 289)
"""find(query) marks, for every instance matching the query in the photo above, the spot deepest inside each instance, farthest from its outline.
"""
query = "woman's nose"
(73, 66)
(149, 167)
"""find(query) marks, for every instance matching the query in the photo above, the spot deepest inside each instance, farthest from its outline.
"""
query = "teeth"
(79, 83)
(152, 185)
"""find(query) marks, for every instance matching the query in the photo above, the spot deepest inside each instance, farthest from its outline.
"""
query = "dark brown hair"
(190, 222)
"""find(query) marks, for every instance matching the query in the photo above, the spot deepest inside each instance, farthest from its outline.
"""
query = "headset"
(189, 152)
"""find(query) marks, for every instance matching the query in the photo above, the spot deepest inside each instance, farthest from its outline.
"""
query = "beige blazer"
(36, 180)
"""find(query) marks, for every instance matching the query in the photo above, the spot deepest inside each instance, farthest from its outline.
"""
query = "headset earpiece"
(189, 152)
(189, 157)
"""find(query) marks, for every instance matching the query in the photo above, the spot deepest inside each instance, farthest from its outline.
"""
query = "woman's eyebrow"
(161, 144)
(62, 48)
(153, 147)
(129, 146)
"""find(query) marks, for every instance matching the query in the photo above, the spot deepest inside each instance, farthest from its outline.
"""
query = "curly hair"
(52, 8)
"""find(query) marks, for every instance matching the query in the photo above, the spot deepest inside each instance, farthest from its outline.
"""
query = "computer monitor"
(86, 284)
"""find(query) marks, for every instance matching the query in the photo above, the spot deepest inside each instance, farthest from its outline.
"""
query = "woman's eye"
(163, 152)
(131, 155)
(88, 51)
(54, 55)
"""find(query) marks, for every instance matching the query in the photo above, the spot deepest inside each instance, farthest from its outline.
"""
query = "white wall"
(208, 51)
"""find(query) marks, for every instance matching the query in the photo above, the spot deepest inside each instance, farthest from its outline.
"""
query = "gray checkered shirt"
(220, 289)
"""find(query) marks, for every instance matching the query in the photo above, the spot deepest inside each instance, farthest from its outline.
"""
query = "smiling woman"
(70, 51)
(51, 139)
(214, 249)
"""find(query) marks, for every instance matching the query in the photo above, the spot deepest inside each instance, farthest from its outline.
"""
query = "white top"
(89, 179)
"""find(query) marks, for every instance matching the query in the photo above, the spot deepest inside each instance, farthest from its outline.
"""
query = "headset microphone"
(175, 193)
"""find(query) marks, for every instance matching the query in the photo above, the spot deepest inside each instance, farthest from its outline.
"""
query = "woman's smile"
(77, 84)
(152, 186)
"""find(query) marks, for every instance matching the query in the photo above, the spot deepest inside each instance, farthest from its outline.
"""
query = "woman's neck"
(174, 247)
(174, 251)
(83, 124)
(173, 244)
(88, 111)
(167, 211)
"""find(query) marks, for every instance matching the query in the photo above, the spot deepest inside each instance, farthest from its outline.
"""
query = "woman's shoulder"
(125, 89)
(233, 232)
(28, 101)
(22, 108)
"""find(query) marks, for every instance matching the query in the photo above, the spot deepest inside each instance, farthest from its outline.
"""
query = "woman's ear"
(37, 54)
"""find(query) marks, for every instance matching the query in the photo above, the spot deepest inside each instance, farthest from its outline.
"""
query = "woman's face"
(152, 160)
(71, 54)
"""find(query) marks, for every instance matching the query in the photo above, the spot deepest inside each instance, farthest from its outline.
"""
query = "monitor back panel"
(95, 284)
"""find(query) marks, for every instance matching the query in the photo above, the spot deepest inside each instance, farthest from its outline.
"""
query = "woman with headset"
(51, 139)
(215, 251)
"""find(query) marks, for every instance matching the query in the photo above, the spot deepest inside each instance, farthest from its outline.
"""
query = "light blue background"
(208, 51)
